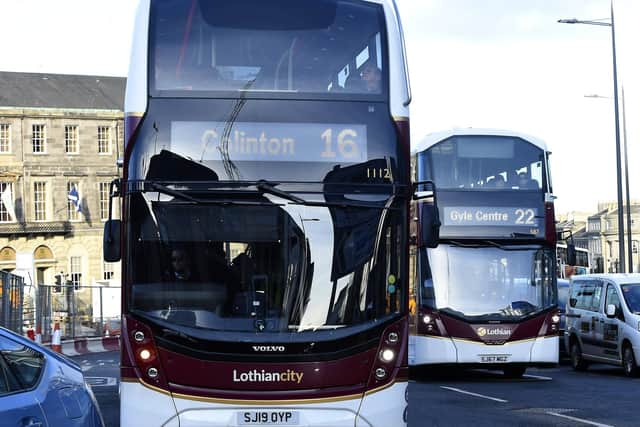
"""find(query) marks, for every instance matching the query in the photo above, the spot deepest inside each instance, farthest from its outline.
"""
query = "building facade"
(60, 138)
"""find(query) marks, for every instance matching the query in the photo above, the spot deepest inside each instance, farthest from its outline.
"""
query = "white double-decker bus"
(264, 228)
(486, 296)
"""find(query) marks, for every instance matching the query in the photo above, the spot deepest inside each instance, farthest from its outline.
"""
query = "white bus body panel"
(384, 408)
(136, 89)
(436, 137)
(135, 98)
(433, 351)
(141, 406)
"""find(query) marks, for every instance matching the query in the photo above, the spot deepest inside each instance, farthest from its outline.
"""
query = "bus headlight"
(427, 319)
(393, 338)
(381, 373)
(387, 355)
(145, 354)
(555, 318)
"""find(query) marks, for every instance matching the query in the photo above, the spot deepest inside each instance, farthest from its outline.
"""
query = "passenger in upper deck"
(524, 182)
(372, 78)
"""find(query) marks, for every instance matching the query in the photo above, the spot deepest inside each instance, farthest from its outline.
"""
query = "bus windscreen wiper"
(184, 196)
(266, 187)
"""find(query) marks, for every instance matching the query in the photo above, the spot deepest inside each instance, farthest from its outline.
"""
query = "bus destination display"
(278, 142)
(491, 216)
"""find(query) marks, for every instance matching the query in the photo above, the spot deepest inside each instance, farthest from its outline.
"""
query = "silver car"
(603, 321)
(40, 388)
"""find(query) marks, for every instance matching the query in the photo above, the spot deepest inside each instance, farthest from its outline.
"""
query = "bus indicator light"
(152, 372)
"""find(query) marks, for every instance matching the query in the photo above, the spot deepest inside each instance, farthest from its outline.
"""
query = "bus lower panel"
(541, 351)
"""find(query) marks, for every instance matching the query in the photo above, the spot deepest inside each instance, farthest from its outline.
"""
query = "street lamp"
(617, 127)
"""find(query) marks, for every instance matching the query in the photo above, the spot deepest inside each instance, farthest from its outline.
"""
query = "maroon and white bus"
(487, 296)
(264, 226)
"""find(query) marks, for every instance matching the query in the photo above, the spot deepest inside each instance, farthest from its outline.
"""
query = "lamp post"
(611, 24)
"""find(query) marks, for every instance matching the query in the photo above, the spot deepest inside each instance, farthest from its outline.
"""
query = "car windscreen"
(631, 293)
(303, 47)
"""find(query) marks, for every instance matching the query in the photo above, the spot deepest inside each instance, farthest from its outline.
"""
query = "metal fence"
(11, 301)
(85, 311)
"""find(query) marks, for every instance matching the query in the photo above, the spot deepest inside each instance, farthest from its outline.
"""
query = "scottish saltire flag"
(7, 200)
(74, 198)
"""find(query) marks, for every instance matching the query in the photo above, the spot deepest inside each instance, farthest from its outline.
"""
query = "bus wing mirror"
(573, 302)
(111, 238)
(571, 254)
(424, 192)
(111, 241)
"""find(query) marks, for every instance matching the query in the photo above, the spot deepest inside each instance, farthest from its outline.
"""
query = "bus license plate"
(269, 418)
(495, 358)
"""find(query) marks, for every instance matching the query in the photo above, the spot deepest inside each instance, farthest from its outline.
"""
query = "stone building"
(60, 137)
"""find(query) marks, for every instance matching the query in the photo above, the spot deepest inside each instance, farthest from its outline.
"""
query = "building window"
(5, 138)
(104, 140)
(71, 137)
(75, 271)
(104, 200)
(634, 246)
(6, 203)
(38, 138)
(594, 225)
(40, 201)
(73, 212)
(108, 270)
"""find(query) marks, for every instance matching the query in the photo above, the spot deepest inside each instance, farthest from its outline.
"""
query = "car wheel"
(577, 362)
(629, 362)
(514, 371)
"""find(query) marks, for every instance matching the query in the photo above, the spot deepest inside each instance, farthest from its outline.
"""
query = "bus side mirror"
(573, 301)
(571, 254)
(428, 216)
(111, 238)
(111, 241)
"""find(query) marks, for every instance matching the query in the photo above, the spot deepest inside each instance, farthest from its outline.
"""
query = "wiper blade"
(266, 187)
(178, 334)
(527, 235)
(171, 192)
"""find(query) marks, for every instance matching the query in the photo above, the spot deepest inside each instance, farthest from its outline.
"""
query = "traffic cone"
(39, 334)
(55, 341)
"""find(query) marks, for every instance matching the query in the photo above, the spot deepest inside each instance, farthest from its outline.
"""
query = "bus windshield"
(483, 283)
(328, 47)
(257, 262)
(484, 163)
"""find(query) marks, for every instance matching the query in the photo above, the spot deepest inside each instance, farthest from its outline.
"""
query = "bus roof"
(436, 137)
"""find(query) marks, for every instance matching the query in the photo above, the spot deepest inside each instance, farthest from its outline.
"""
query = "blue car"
(41, 388)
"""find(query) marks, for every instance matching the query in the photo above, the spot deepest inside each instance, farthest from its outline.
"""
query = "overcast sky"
(480, 63)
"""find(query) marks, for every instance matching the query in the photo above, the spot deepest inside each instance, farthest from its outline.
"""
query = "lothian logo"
(269, 348)
(493, 332)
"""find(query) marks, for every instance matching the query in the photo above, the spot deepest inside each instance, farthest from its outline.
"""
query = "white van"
(603, 321)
